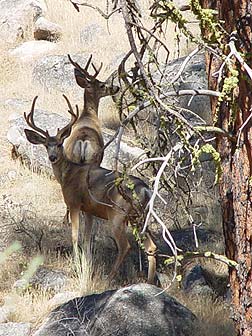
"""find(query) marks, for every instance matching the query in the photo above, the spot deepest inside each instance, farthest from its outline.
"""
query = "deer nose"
(52, 158)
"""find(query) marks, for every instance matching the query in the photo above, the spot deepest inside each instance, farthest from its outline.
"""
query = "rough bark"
(236, 181)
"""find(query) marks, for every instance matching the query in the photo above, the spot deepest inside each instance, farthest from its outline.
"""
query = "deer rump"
(86, 146)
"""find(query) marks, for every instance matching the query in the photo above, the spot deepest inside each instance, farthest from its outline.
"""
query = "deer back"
(103, 193)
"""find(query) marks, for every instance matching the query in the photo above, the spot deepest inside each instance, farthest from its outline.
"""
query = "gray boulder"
(208, 240)
(198, 280)
(92, 33)
(17, 329)
(17, 18)
(32, 50)
(136, 310)
(193, 78)
(45, 279)
(194, 282)
(16, 103)
(56, 73)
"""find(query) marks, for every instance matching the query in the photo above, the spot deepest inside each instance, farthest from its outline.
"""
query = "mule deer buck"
(97, 191)
(85, 143)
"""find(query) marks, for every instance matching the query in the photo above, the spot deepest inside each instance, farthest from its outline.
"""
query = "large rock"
(32, 50)
(92, 33)
(17, 329)
(208, 240)
(17, 18)
(36, 156)
(56, 73)
(193, 78)
(137, 310)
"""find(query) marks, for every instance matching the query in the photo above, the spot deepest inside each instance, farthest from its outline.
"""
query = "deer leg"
(150, 249)
(123, 245)
(87, 234)
(74, 216)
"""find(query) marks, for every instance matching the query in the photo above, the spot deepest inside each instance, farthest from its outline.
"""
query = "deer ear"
(34, 137)
(65, 133)
(80, 79)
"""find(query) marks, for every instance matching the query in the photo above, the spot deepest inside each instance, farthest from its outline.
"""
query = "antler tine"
(74, 117)
(76, 65)
(77, 111)
(88, 62)
(84, 71)
(30, 120)
(96, 71)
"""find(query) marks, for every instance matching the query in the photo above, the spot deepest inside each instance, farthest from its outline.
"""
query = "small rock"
(49, 279)
(16, 16)
(12, 174)
(44, 278)
(194, 282)
(46, 30)
(21, 284)
(4, 314)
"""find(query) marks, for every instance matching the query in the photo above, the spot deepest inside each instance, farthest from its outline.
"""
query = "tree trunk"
(236, 183)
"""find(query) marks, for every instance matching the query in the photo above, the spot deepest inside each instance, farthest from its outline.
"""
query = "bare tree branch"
(76, 5)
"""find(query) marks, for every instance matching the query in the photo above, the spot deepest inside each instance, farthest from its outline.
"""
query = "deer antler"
(77, 66)
(30, 120)
(74, 117)
(96, 71)
(85, 70)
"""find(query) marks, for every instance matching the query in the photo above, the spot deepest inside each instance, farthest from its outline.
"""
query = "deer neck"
(91, 104)
(62, 168)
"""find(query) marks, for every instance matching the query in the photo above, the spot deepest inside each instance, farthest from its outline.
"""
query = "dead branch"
(76, 5)
(186, 61)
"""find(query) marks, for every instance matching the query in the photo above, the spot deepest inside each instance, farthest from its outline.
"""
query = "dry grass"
(214, 315)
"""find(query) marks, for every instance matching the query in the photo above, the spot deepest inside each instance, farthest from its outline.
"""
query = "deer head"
(53, 144)
(90, 82)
